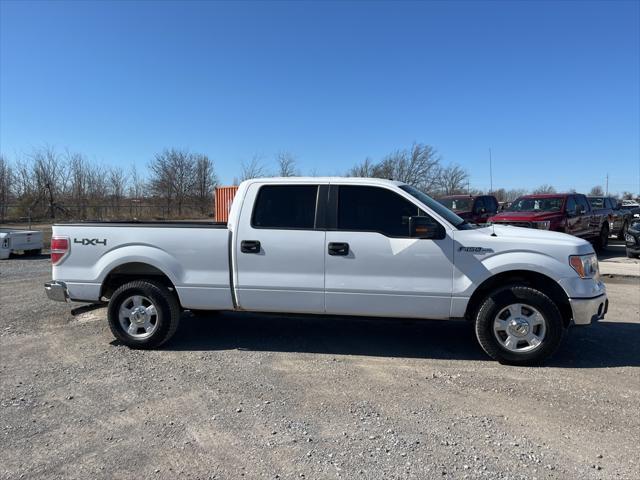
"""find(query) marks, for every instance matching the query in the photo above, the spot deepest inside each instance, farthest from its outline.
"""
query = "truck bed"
(194, 256)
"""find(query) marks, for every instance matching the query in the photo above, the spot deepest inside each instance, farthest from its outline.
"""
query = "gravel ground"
(265, 396)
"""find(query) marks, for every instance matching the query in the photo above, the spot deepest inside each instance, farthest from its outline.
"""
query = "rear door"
(279, 248)
(373, 267)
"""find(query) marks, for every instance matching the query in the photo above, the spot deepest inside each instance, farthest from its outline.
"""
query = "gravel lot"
(265, 396)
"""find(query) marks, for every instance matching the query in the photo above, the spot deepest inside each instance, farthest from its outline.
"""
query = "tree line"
(178, 183)
(50, 184)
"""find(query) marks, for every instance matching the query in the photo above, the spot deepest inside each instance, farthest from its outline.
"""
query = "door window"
(374, 209)
(285, 206)
(479, 205)
(583, 201)
(571, 205)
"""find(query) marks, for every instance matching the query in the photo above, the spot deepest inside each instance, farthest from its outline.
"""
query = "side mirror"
(425, 227)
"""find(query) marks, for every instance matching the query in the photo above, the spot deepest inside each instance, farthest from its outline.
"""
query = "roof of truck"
(370, 181)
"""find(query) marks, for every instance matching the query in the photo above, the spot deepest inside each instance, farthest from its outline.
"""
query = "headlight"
(586, 266)
(543, 225)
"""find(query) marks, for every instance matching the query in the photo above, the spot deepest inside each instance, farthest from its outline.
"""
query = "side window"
(493, 208)
(479, 205)
(582, 201)
(374, 209)
(285, 206)
(571, 205)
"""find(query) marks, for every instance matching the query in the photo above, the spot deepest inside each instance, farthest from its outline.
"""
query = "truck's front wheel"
(143, 314)
(519, 325)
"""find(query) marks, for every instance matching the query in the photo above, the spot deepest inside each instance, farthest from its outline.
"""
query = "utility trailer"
(13, 240)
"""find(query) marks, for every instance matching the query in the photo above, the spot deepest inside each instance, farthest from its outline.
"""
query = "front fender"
(472, 271)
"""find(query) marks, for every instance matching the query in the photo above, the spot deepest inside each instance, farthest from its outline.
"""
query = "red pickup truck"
(565, 212)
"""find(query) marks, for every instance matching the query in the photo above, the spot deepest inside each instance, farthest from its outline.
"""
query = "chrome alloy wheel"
(138, 316)
(519, 328)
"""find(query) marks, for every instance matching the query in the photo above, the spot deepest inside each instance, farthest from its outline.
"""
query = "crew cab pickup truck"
(619, 218)
(565, 212)
(334, 246)
(474, 209)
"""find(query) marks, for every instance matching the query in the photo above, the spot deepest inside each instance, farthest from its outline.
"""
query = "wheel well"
(132, 271)
(536, 280)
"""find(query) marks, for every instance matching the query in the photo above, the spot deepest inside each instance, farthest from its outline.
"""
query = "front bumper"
(588, 310)
(57, 291)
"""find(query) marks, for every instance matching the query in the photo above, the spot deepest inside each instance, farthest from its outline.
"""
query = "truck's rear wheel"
(143, 314)
(603, 239)
(623, 230)
(519, 325)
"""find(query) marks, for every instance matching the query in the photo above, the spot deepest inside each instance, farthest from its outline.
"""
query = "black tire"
(603, 239)
(631, 255)
(167, 316)
(501, 298)
(623, 230)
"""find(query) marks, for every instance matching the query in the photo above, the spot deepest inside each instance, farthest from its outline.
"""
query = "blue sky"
(552, 87)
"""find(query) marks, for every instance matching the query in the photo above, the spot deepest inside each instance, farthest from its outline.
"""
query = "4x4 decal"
(90, 241)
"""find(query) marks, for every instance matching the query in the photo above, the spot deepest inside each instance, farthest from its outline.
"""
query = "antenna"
(490, 172)
(493, 227)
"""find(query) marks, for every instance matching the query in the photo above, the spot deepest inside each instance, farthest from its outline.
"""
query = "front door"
(373, 267)
(574, 221)
(279, 252)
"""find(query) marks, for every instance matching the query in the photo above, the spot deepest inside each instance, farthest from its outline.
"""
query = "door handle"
(250, 246)
(338, 248)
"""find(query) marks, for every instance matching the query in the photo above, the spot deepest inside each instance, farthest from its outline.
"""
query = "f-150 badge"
(480, 250)
(90, 241)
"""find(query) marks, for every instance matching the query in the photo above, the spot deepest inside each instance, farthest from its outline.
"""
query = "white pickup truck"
(337, 246)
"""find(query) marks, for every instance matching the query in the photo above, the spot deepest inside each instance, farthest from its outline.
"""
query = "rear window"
(597, 202)
(285, 206)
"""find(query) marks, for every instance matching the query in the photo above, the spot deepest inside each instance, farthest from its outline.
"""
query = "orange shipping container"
(224, 198)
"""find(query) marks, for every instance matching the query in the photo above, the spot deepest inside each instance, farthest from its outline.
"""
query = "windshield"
(596, 202)
(457, 204)
(527, 204)
(440, 209)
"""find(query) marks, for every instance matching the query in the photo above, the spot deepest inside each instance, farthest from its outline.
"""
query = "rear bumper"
(588, 310)
(57, 291)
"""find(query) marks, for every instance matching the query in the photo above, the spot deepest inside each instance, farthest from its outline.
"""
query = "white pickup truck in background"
(336, 246)
(17, 240)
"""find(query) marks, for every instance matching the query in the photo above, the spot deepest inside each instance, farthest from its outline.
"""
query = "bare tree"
(136, 185)
(162, 177)
(252, 169)
(418, 166)
(117, 185)
(452, 180)
(597, 191)
(49, 177)
(365, 169)
(545, 189)
(6, 186)
(515, 193)
(79, 173)
(286, 164)
(204, 182)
